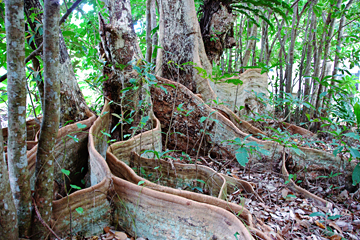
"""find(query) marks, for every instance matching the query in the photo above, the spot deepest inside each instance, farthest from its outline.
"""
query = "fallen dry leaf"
(319, 224)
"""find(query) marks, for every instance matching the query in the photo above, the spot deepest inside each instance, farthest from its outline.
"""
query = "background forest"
(260, 94)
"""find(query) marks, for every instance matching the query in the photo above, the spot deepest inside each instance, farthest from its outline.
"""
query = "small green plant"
(325, 217)
(292, 177)
(246, 147)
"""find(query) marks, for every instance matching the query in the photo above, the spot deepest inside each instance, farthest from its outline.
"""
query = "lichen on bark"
(17, 159)
(45, 158)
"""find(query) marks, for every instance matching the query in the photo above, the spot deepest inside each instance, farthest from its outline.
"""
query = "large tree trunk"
(182, 46)
(45, 155)
(73, 105)
(17, 160)
(127, 83)
(216, 27)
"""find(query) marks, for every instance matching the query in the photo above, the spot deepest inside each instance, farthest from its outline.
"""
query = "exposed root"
(319, 201)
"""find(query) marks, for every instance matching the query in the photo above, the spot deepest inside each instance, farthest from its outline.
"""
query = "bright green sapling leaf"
(354, 152)
(66, 172)
(356, 175)
(242, 156)
(357, 113)
(80, 125)
(317, 214)
(80, 210)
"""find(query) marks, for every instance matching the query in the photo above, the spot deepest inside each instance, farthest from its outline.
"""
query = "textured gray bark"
(120, 47)
(181, 41)
(153, 25)
(45, 157)
(8, 215)
(73, 105)
(250, 44)
(290, 60)
(339, 43)
(330, 31)
(308, 61)
(17, 159)
(148, 31)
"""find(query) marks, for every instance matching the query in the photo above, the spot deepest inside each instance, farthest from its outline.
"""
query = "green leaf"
(81, 126)
(202, 119)
(75, 187)
(140, 183)
(354, 152)
(66, 172)
(352, 135)
(164, 89)
(106, 134)
(80, 210)
(297, 151)
(317, 214)
(242, 156)
(201, 181)
(356, 175)
(357, 112)
(334, 217)
(199, 189)
(68, 34)
(338, 150)
(74, 138)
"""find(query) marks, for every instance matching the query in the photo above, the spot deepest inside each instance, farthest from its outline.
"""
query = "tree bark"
(17, 159)
(330, 30)
(50, 125)
(251, 43)
(153, 8)
(127, 83)
(290, 61)
(216, 27)
(148, 31)
(338, 46)
(181, 41)
(73, 105)
(8, 216)
(311, 38)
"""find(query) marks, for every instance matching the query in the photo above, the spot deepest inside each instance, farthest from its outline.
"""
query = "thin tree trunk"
(331, 22)
(307, 86)
(17, 159)
(281, 83)
(73, 105)
(238, 48)
(148, 31)
(9, 221)
(317, 60)
(230, 61)
(264, 38)
(50, 125)
(305, 45)
(153, 8)
(290, 61)
(251, 43)
(338, 47)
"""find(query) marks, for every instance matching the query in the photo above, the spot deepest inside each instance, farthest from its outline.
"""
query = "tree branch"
(39, 49)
